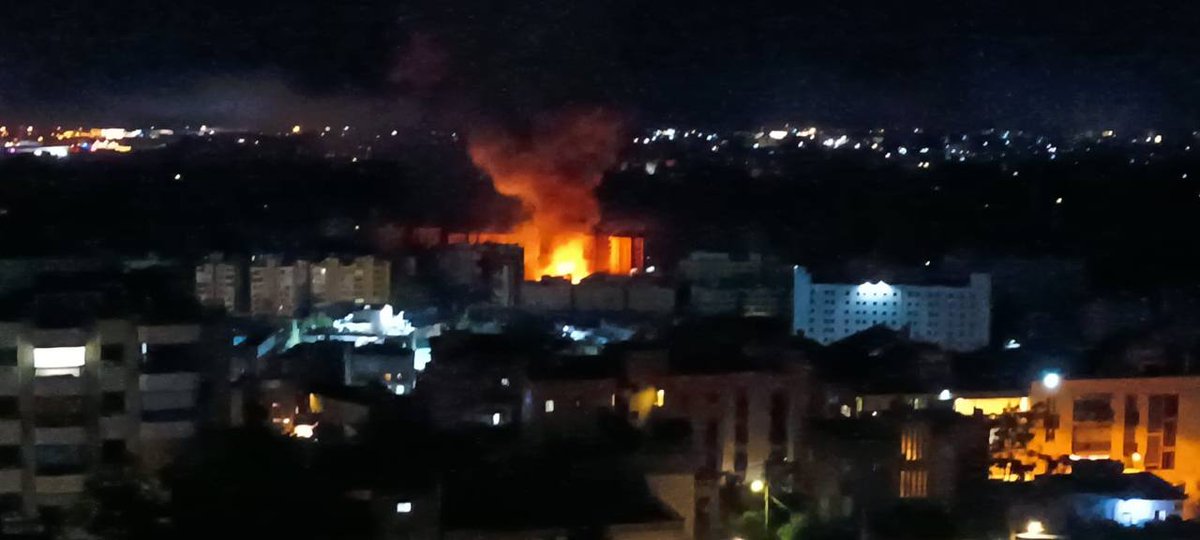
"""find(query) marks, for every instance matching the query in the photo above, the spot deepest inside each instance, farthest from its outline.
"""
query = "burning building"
(553, 169)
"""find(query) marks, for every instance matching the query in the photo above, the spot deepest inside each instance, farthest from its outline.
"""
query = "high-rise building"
(219, 283)
(277, 287)
(84, 383)
(365, 279)
(954, 316)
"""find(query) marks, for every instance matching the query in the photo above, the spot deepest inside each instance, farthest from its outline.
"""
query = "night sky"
(255, 63)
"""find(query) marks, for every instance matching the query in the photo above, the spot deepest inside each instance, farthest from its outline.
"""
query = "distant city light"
(1058, 200)
(303, 431)
(945, 395)
(495, 419)
(178, 176)
(902, 151)
(403, 507)
(295, 129)
(777, 134)
(1051, 380)
(1012, 344)
(1158, 139)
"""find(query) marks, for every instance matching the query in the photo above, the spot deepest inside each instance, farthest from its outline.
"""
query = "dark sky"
(256, 63)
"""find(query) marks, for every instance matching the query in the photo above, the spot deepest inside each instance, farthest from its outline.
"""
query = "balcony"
(10, 432)
(57, 386)
(113, 378)
(167, 382)
(168, 430)
(60, 435)
(10, 480)
(59, 484)
(114, 427)
(10, 382)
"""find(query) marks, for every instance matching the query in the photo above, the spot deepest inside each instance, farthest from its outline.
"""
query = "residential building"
(1096, 491)
(278, 287)
(365, 279)
(219, 283)
(711, 268)
(954, 316)
(84, 384)
(599, 293)
(1149, 424)
(857, 464)
(744, 417)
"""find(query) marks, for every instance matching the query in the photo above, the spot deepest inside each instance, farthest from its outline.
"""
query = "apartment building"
(1150, 424)
(219, 283)
(365, 279)
(92, 375)
(278, 287)
(956, 316)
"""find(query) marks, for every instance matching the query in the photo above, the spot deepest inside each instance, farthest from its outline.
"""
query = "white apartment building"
(75, 398)
(362, 280)
(218, 283)
(956, 317)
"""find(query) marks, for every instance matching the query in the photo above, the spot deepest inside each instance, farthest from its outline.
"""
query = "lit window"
(660, 398)
(549, 405)
(403, 507)
(58, 361)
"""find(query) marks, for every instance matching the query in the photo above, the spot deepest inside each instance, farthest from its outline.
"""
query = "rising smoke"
(553, 168)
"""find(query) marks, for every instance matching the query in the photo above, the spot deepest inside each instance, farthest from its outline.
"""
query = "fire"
(553, 169)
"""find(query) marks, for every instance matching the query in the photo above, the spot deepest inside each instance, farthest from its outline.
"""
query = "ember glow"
(553, 169)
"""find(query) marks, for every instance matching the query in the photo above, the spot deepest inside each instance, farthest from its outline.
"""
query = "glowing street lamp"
(761, 486)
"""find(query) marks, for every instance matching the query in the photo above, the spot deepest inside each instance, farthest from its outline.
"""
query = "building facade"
(73, 399)
(219, 283)
(365, 279)
(957, 318)
(1150, 424)
(278, 288)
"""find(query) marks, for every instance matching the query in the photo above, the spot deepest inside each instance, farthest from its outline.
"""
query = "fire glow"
(553, 170)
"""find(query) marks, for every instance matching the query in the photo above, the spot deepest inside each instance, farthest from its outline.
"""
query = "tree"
(121, 502)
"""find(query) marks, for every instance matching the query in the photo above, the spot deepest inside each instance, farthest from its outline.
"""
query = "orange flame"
(553, 170)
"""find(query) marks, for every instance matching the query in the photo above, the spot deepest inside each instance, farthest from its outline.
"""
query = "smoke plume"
(553, 168)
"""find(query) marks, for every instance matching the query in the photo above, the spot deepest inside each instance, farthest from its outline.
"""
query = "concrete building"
(278, 288)
(599, 293)
(743, 420)
(711, 268)
(956, 317)
(219, 283)
(365, 279)
(856, 465)
(75, 396)
(1150, 424)
(549, 294)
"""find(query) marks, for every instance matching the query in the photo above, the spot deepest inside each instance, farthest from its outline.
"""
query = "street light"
(760, 486)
